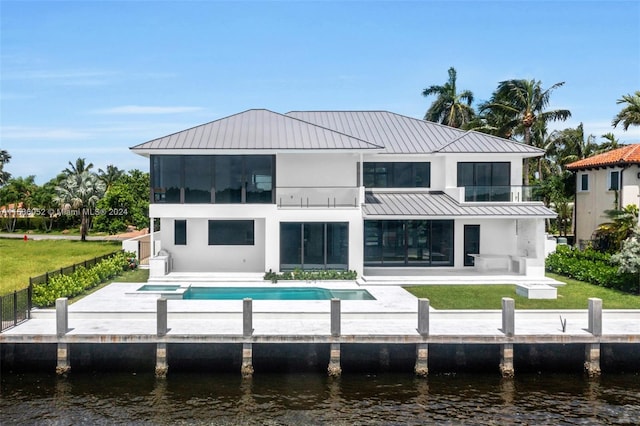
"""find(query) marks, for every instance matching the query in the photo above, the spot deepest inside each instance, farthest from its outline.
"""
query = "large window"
(314, 245)
(485, 181)
(180, 232)
(584, 182)
(396, 175)
(408, 243)
(231, 233)
(212, 178)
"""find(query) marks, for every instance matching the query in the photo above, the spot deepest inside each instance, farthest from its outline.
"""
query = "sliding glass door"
(314, 245)
(408, 243)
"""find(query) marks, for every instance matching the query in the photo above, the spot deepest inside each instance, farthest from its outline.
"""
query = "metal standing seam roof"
(439, 204)
(258, 129)
(400, 134)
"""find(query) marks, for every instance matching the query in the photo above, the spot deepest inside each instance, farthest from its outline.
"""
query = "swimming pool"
(188, 292)
(274, 293)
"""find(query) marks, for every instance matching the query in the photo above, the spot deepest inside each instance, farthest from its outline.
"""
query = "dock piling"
(246, 368)
(162, 365)
(423, 317)
(62, 327)
(334, 369)
(422, 360)
(508, 328)
(592, 350)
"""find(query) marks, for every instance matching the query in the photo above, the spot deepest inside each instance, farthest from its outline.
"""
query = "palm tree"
(80, 192)
(110, 176)
(610, 143)
(630, 114)
(4, 159)
(572, 145)
(78, 168)
(518, 105)
(450, 108)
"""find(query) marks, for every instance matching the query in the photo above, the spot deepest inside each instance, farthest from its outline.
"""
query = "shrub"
(589, 266)
(314, 275)
(81, 280)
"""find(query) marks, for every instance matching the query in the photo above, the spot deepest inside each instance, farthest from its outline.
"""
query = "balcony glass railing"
(318, 197)
(508, 194)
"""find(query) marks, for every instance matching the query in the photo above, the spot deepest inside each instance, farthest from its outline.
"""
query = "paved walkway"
(118, 313)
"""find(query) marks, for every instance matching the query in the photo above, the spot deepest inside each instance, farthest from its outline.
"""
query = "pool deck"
(116, 314)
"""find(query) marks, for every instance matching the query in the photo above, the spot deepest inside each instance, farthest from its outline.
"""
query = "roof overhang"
(437, 204)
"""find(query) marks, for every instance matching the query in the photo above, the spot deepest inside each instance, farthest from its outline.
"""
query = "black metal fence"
(67, 270)
(15, 308)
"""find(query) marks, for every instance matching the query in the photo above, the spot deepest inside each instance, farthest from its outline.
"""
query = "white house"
(606, 181)
(360, 190)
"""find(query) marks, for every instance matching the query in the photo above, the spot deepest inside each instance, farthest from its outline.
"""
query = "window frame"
(249, 239)
(582, 187)
(610, 180)
(180, 232)
(393, 170)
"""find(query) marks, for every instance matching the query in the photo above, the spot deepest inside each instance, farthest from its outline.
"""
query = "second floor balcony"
(500, 194)
(318, 197)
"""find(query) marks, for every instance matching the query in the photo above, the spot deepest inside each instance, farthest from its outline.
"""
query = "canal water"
(185, 398)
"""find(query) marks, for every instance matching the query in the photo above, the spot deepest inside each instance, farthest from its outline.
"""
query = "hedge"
(82, 279)
(315, 275)
(590, 266)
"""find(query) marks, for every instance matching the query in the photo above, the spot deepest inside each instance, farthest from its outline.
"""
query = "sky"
(90, 79)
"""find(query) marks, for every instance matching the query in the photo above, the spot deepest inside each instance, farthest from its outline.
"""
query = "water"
(276, 293)
(314, 399)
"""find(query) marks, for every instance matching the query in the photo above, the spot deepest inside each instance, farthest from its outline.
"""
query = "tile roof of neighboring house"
(400, 134)
(629, 154)
(439, 204)
(260, 129)
(257, 129)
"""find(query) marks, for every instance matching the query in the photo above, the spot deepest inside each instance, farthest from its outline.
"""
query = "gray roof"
(400, 134)
(258, 129)
(439, 204)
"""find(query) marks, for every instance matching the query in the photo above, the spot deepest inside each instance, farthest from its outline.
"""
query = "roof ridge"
(331, 130)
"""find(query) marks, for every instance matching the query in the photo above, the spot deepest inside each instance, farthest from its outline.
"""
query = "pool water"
(274, 293)
(158, 287)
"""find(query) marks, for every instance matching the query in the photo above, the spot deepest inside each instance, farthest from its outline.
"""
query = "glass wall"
(212, 178)
(231, 233)
(396, 175)
(408, 243)
(485, 181)
(314, 245)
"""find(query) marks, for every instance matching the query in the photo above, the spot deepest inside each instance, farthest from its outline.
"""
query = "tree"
(126, 203)
(4, 159)
(44, 199)
(610, 142)
(628, 259)
(571, 145)
(18, 193)
(450, 108)
(517, 105)
(78, 168)
(110, 176)
(630, 114)
(80, 192)
(622, 224)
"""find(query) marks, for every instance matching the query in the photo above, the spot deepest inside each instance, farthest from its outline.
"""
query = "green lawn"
(20, 260)
(574, 295)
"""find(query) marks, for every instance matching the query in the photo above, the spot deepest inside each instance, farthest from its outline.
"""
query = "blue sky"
(91, 79)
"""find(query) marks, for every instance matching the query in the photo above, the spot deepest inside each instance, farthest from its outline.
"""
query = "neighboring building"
(606, 181)
(359, 190)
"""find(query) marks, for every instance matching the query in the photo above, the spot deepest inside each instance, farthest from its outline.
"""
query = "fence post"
(46, 278)
(15, 307)
(29, 299)
(1, 314)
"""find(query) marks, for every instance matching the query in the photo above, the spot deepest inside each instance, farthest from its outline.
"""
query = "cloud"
(138, 110)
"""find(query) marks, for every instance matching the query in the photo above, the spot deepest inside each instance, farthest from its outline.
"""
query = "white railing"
(317, 197)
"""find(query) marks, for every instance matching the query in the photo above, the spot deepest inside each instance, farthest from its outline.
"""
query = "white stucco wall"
(316, 170)
(590, 205)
